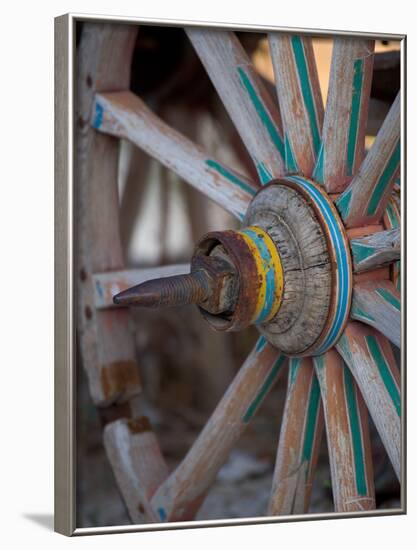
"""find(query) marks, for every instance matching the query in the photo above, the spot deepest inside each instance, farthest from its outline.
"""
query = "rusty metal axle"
(210, 284)
(177, 290)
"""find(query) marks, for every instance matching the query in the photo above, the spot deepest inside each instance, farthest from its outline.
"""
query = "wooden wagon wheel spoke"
(369, 356)
(347, 430)
(343, 139)
(299, 441)
(392, 220)
(364, 201)
(377, 303)
(124, 115)
(252, 111)
(375, 250)
(180, 496)
(300, 100)
(134, 453)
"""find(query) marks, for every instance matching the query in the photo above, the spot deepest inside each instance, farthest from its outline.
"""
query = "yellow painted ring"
(270, 272)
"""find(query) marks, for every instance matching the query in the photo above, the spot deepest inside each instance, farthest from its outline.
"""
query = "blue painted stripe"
(98, 116)
(260, 344)
(162, 514)
(269, 273)
(342, 262)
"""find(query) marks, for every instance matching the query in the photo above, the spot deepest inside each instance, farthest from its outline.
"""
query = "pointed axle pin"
(211, 284)
(177, 290)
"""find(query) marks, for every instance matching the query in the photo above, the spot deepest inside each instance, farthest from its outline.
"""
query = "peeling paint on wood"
(299, 98)
(377, 303)
(103, 64)
(137, 465)
(299, 441)
(379, 381)
(343, 141)
(126, 116)
(375, 250)
(365, 200)
(348, 440)
(252, 111)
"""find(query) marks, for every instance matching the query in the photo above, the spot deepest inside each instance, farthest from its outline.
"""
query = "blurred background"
(185, 366)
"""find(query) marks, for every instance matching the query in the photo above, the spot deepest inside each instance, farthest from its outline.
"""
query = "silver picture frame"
(65, 282)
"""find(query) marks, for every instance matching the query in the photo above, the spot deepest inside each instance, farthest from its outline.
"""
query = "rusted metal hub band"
(259, 276)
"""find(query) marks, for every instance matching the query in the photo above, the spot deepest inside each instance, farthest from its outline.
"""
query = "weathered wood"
(364, 201)
(300, 100)
(252, 111)
(375, 250)
(107, 346)
(348, 440)
(380, 274)
(378, 304)
(299, 441)
(107, 284)
(136, 459)
(343, 141)
(370, 357)
(392, 220)
(124, 115)
(292, 224)
(180, 496)
(136, 179)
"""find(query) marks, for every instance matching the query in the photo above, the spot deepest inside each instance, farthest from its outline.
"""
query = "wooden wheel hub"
(293, 265)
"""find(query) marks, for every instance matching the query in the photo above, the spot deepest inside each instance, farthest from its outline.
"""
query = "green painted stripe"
(318, 173)
(386, 294)
(384, 180)
(354, 115)
(262, 113)
(361, 251)
(294, 365)
(264, 174)
(384, 371)
(343, 203)
(355, 430)
(290, 161)
(312, 412)
(303, 75)
(233, 178)
(357, 313)
(270, 379)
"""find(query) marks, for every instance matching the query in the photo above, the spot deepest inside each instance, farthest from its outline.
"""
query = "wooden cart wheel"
(315, 267)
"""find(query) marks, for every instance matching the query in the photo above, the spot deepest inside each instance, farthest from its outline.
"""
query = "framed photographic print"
(229, 289)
